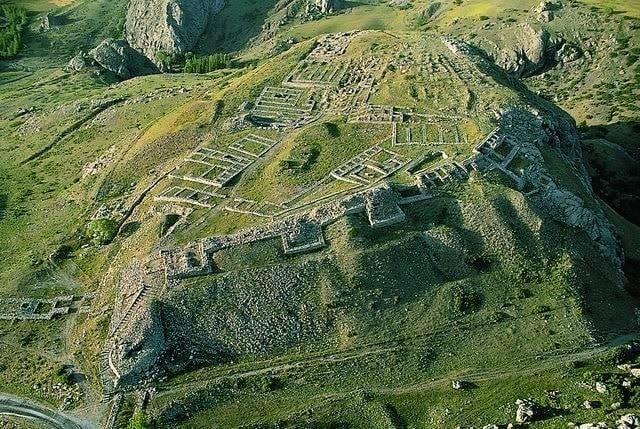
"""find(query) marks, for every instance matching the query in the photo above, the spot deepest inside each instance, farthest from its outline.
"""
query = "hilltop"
(358, 214)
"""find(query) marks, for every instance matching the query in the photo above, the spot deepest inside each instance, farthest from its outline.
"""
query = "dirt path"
(20, 407)
(524, 368)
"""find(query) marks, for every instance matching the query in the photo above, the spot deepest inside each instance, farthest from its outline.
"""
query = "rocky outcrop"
(170, 26)
(533, 51)
(527, 411)
(570, 209)
(139, 345)
(119, 58)
(530, 53)
(328, 6)
(545, 11)
(115, 56)
(629, 421)
(49, 21)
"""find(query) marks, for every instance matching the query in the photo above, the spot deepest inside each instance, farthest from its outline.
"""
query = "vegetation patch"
(13, 20)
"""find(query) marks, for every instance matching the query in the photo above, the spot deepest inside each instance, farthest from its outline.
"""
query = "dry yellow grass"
(41, 5)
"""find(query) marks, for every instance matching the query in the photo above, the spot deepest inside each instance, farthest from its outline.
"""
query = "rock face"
(570, 208)
(171, 26)
(531, 53)
(328, 6)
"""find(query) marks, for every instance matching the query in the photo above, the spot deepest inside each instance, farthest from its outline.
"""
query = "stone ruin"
(332, 45)
(189, 261)
(380, 203)
(303, 236)
(499, 151)
(136, 341)
(206, 170)
(370, 166)
(486, 157)
(381, 206)
(282, 107)
(20, 309)
(317, 73)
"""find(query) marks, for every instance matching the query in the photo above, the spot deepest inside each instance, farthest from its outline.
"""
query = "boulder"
(170, 26)
(568, 53)
(629, 421)
(459, 384)
(544, 10)
(601, 387)
(590, 405)
(531, 52)
(119, 58)
(527, 411)
(48, 22)
(79, 62)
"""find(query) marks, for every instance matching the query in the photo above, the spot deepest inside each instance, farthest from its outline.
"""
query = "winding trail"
(20, 407)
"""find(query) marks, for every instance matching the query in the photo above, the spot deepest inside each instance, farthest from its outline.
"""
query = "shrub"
(332, 129)
(102, 231)
(62, 252)
(464, 300)
(63, 375)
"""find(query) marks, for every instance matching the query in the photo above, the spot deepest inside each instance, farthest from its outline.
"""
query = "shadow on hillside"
(3, 205)
(237, 23)
(612, 153)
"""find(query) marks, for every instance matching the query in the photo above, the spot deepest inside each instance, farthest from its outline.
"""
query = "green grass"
(333, 150)
(362, 17)
(40, 5)
(631, 8)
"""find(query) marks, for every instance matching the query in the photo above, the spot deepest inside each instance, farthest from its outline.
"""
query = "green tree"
(11, 34)
(205, 64)
(102, 231)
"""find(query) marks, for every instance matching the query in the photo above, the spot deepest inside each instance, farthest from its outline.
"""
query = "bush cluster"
(13, 21)
(205, 64)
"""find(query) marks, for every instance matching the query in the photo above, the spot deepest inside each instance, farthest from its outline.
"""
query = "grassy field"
(631, 7)
(40, 5)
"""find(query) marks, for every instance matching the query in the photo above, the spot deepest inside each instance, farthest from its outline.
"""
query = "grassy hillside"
(484, 282)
